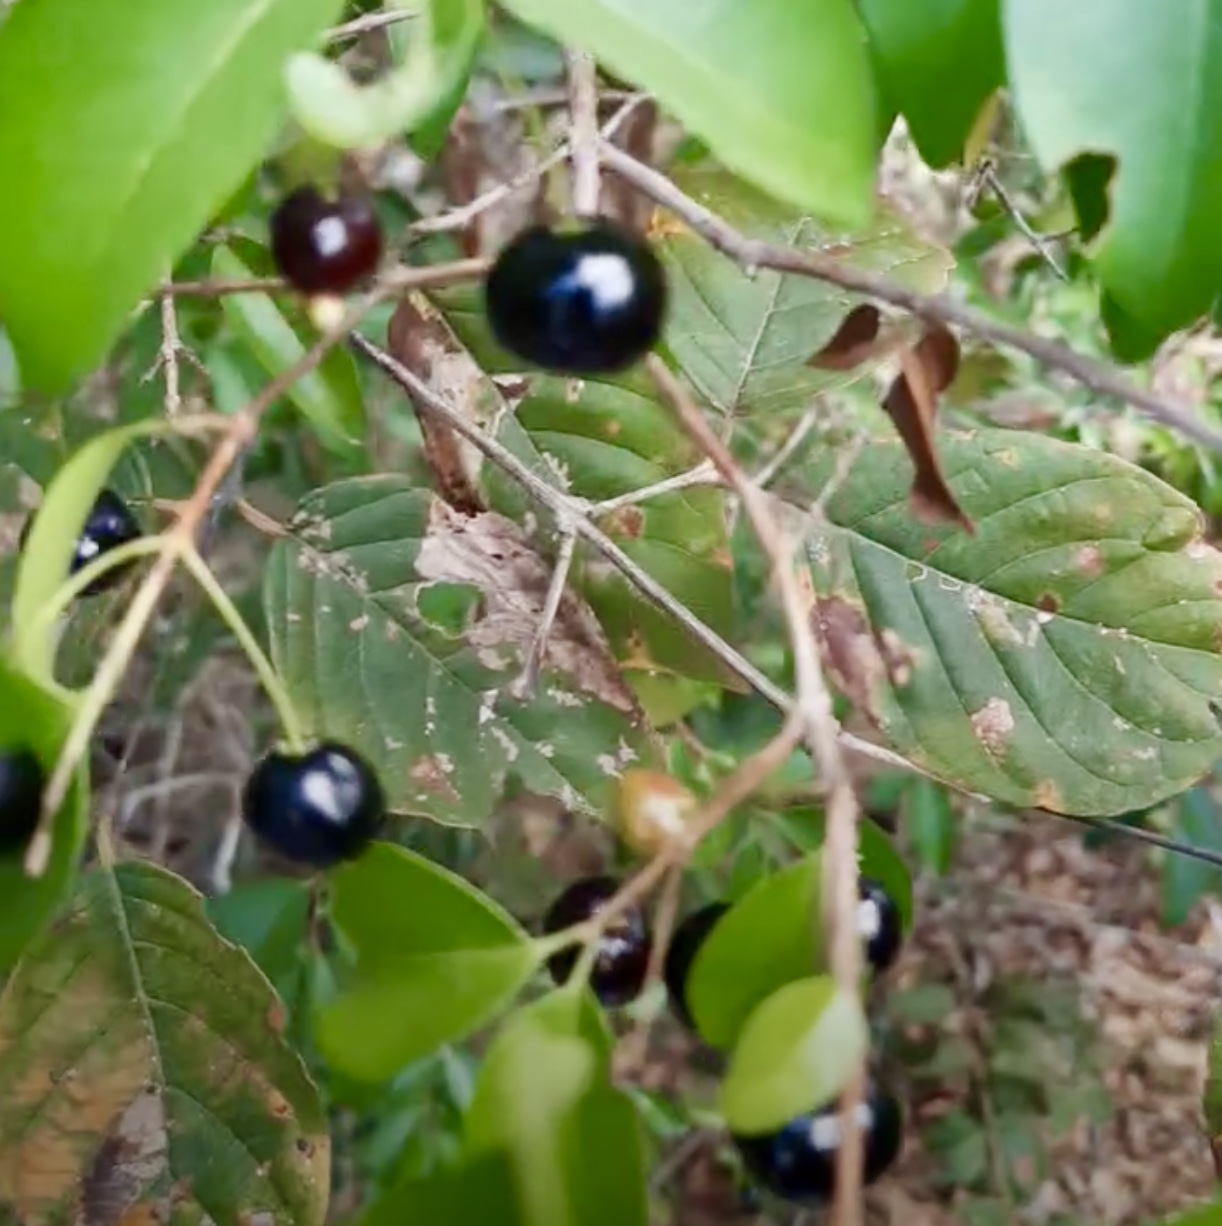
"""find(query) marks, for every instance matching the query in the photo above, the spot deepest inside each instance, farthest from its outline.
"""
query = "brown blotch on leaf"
(862, 660)
(926, 370)
(855, 341)
(431, 775)
(1089, 561)
(626, 523)
(1049, 602)
(277, 1017)
(992, 725)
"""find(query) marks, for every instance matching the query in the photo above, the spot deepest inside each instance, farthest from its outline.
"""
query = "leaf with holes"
(597, 438)
(143, 1076)
(403, 627)
(123, 128)
(1065, 656)
(745, 342)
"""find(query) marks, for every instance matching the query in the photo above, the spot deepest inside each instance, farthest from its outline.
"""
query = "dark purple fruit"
(317, 809)
(110, 524)
(585, 300)
(879, 923)
(798, 1163)
(687, 942)
(324, 246)
(21, 784)
(620, 966)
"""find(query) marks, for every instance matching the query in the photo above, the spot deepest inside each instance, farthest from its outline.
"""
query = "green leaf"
(269, 919)
(47, 555)
(330, 106)
(1185, 881)
(937, 62)
(929, 822)
(403, 627)
(781, 92)
(435, 960)
(770, 937)
(1202, 1215)
(123, 127)
(544, 1097)
(744, 342)
(598, 439)
(31, 717)
(1065, 656)
(1151, 100)
(142, 1067)
(796, 1052)
(330, 395)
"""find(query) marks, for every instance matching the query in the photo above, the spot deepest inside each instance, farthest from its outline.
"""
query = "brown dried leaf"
(912, 403)
(856, 341)
(621, 201)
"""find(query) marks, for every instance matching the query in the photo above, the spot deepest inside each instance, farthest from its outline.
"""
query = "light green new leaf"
(142, 1068)
(781, 92)
(1143, 82)
(938, 62)
(435, 960)
(330, 395)
(1066, 656)
(796, 1052)
(767, 939)
(402, 627)
(33, 719)
(124, 125)
(744, 342)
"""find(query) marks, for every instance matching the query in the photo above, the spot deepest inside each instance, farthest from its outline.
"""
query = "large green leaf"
(769, 938)
(1143, 82)
(796, 1051)
(744, 342)
(124, 124)
(781, 92)
(435, 959)
(1065, 656)
(32, 718)
(600, 438)
(938, 62)
(403, 627)
(142, 1069)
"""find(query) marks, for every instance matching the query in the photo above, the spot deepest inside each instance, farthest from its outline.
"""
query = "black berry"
(878, 922)
(623, 949)
(317, 809)
(325, 246)
(798, 1163)
(110, 524)
(689, 937)
(581, 301)
(21, 784)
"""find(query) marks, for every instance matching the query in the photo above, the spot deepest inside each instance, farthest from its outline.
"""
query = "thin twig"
(218, 287)
(368, 22)
(167, 355)
(989, 177)
(826, 266)
(547, 618)
(821, 731)
(583, 126)
(702, 474)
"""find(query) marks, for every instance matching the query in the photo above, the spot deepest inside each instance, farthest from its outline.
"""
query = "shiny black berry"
(110, 524)
(798, 1163)
(878, 922)
(21, 784)
(623, 950)
(581, 301)
(324, 246)
(689, 937)
(317, 809)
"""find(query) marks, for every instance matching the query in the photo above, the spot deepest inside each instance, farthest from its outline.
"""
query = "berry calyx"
(323, 246)
(622, 960)
(688, 940)
(879, 924)
(651, 811)
(316, 808)
(798, 1162)
(21, 784)
(585, 300)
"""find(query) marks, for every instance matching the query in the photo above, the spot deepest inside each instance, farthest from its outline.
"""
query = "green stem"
(268, 677)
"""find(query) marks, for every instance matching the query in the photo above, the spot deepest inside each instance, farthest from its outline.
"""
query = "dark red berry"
(687, 942)
(324, 246)
(582, 301)
(798, 1163)
(317, 809)
(623, 950)
(110, 524)
(21, 784)
(879, 923)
